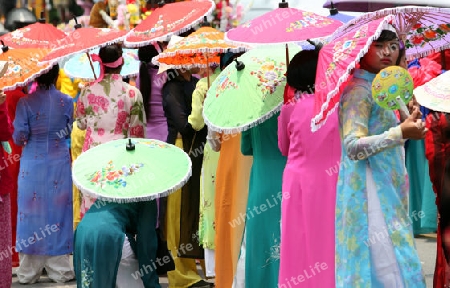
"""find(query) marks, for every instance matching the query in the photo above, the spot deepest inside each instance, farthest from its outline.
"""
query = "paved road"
(426, 246)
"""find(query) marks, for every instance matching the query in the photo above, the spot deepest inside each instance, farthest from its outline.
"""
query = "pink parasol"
(170, 19)
(337, 59)
(281, 26)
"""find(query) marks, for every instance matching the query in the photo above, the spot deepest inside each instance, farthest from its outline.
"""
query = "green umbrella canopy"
(242, 98)
(113, 172)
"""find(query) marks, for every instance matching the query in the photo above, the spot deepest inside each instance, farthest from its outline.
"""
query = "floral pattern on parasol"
(110, 176)
(309, 19)
(37, 35)
(224, 83)
(199, 49)
(420, 35)
(270, 75)
(23, 67)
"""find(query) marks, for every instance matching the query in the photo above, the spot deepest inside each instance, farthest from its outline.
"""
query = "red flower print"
(137, 131)
(444, 27)
(95, 107)
(430, 34)
(122, 117)
(417, 26)
(131, 93)
(115, 77)
(80, 109)
(126, 126)
(100, 131)
(120, 104)
(417, 40)
(118, 129)
(91, 99)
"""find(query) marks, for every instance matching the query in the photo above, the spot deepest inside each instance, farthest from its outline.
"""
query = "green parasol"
(249, 92)
(131, 170)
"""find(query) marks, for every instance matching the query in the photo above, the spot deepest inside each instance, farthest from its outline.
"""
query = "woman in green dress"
(264, 204)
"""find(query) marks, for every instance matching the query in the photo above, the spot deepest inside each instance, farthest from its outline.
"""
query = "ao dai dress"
(310, 178)
(42, 123)
(374, 238)
(263, 215)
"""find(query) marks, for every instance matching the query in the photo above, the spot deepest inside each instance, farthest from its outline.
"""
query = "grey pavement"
(426, 245)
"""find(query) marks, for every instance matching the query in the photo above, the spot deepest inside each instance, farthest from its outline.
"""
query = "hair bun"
(317, 46)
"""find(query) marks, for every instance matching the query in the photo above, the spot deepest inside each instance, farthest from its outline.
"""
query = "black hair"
(387, 35)
(227, 58)
(146, 54)
(110, 53)
(301, 71)
(187, 33)
(48, 79)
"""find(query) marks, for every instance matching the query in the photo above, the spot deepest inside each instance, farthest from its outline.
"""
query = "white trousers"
(239, 278)
(59, 268)
(127, 267)
(385, 269)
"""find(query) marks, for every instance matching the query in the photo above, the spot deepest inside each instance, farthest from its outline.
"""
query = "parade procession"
(225, 143)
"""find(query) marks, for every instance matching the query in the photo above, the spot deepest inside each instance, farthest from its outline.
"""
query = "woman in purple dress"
(150, 83)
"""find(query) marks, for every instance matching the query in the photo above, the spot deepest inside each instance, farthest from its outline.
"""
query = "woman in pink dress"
(310, 178)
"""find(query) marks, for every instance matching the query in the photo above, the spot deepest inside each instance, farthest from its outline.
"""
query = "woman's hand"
(2, 97)
(413, 103)
(413, 128)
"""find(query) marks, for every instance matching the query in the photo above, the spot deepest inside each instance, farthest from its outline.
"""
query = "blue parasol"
(78, 65)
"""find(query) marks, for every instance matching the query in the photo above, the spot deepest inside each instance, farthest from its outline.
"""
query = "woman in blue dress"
(374, 238)
(44, 219)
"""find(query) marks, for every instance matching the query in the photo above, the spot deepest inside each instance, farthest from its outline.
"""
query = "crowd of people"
(260, 209)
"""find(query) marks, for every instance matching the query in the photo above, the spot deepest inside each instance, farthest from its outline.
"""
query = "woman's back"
(110, 110)
(44, 118)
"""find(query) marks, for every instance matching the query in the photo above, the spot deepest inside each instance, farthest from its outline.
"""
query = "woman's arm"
(5, 125)
(356, 108)
(173, 107)
(21, 126)
(214, 140)
(246, 143)
(198, 96)
(137, 117)
(81, 113)
(283, 131)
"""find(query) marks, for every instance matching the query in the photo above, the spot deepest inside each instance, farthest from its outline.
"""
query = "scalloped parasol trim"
(167, 36)
(28, 80)
(165, 193)
(247, 126)
(319, 120)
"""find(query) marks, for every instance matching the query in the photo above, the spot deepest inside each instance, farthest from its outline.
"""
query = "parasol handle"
(207, 70)
(130, 146)
(77, 25)
(92, 65)
(283, 4)
(42, 19)
(239, 65)
(333, 10)
(4, 47)
(402, 106)
(287, 56)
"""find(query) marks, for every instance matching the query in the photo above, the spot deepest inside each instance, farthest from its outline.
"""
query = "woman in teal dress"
(374, 238)
(264, 204)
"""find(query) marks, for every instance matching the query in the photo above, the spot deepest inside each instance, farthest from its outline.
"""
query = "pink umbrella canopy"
(281, 26)
(374, 5)
(424, 30)
(170, 19)
(337, 59)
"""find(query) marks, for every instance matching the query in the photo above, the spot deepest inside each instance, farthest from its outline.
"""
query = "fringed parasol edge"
(316, 121)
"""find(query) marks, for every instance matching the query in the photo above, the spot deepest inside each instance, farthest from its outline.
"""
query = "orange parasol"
(199, 49)
(22, 66)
